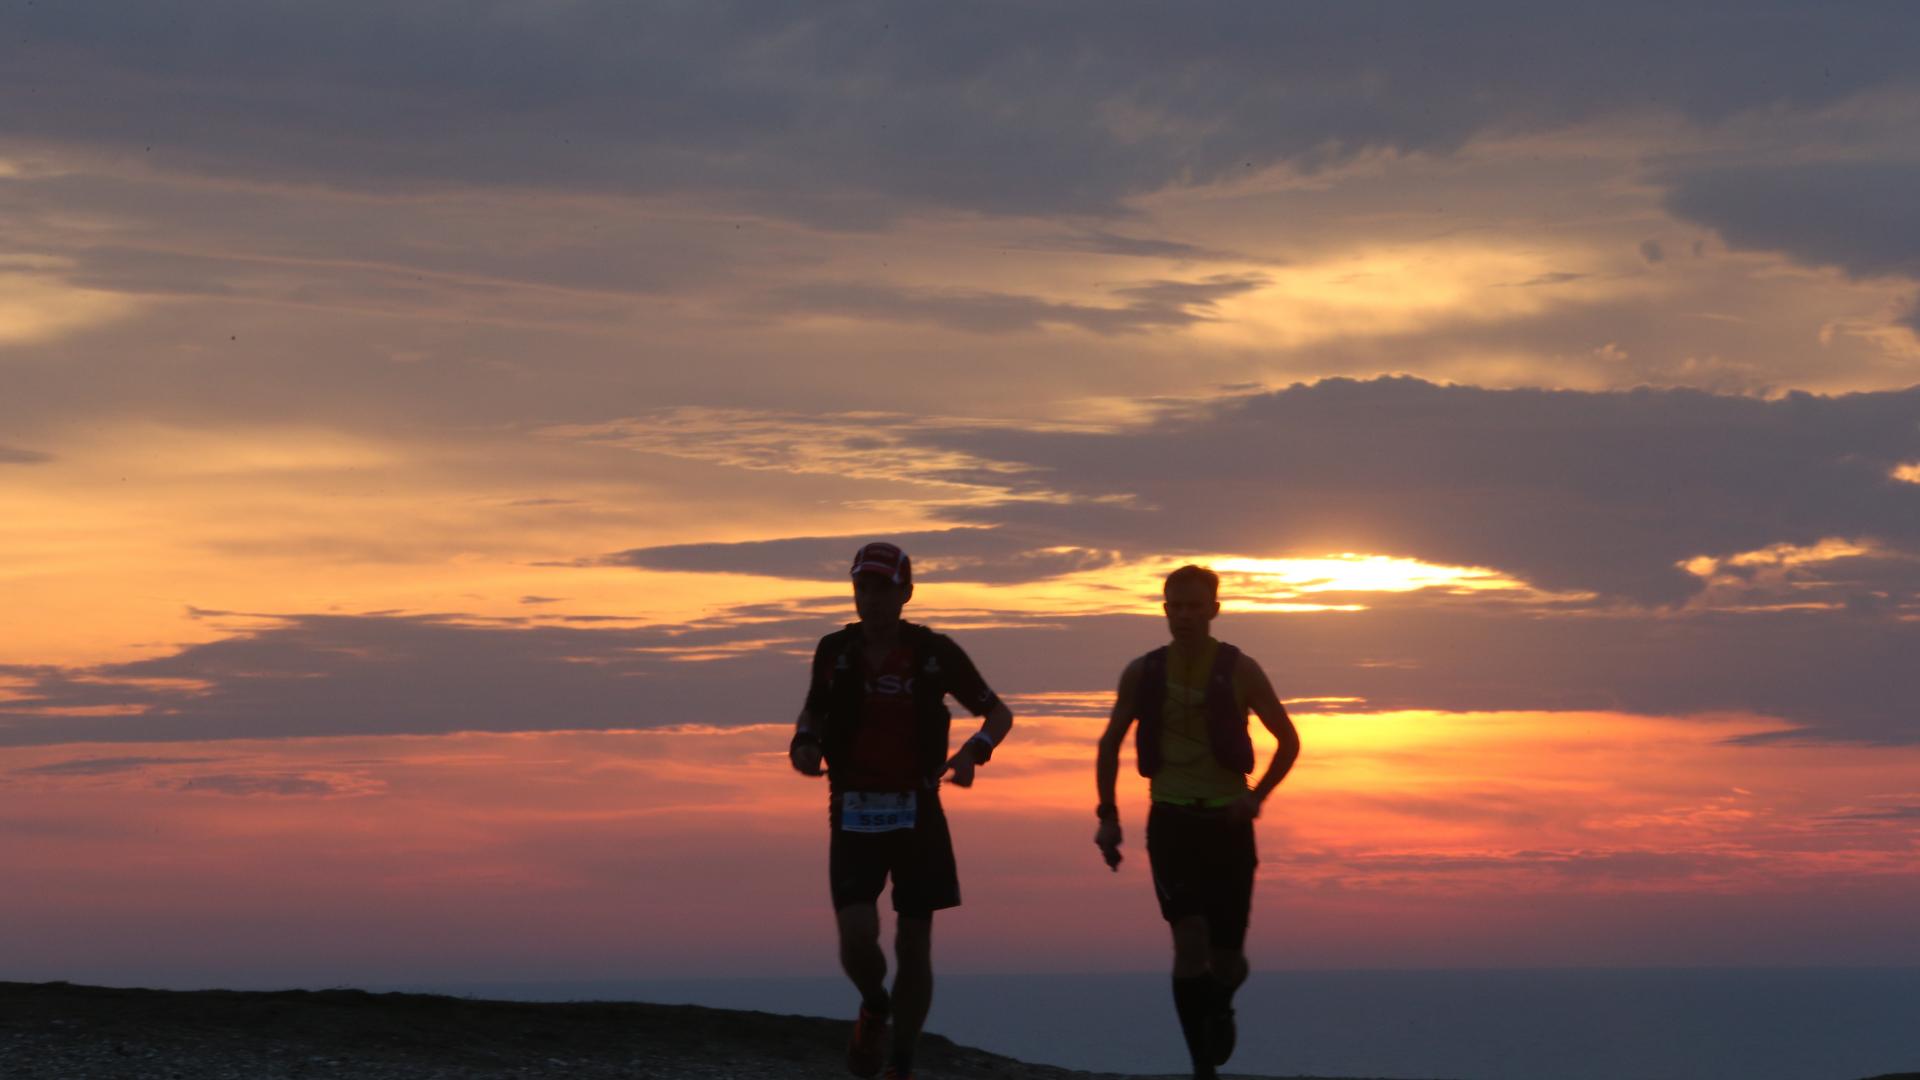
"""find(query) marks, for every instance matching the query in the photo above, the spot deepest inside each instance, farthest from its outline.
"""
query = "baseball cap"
(881, 557)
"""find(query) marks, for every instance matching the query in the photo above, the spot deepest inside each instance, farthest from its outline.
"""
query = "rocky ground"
(58, 1031)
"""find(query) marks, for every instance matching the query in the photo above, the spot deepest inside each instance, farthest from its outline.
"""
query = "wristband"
(985, 753)
(1107, 812)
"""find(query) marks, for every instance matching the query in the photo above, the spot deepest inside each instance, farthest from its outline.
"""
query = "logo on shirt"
(891, 685)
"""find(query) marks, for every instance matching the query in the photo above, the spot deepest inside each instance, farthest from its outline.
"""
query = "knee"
(1191, 951)
(859, 927)
(1230, 966)
(913, 940)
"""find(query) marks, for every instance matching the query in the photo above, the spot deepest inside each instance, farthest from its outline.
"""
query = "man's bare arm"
(1107, 765)
(1266, 705)
(997, 723)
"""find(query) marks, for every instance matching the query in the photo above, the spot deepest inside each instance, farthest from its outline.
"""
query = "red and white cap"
(881, 557)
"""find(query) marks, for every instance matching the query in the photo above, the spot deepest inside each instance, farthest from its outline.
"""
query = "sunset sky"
(432, 437)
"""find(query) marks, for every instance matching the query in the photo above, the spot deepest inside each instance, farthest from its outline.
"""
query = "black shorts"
(920, 860)
(1203, 865)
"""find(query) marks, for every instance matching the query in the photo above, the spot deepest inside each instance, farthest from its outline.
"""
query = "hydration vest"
(1226, 720)
(846, 693)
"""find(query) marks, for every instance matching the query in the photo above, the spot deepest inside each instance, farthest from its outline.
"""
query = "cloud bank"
(1610, 493)
(847, 112)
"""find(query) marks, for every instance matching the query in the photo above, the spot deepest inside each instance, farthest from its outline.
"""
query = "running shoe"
(895, 1074)
(1221, 1034)
(869, 1044)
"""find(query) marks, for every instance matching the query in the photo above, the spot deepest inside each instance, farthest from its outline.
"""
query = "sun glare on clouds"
(36, 307)
(1247, 585)
(1405, 289)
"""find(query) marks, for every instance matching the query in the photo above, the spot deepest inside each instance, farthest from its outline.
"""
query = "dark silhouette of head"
(882, 584)
(1192, 599)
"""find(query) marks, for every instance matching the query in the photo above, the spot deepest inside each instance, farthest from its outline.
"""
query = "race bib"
(877, 811)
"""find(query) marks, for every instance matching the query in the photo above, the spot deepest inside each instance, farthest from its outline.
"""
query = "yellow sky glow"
(1247, 584)
(1777, 555)
(35, 308)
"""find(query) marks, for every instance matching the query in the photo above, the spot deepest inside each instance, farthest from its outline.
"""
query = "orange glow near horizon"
(633, 845)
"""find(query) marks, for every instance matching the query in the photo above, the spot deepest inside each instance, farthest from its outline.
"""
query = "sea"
(1583, 1024)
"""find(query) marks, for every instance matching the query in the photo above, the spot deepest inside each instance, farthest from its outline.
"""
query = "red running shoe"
(869, 1044)
(895, 1074)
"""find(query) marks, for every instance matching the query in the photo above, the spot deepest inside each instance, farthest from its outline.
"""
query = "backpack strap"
(1149, 698)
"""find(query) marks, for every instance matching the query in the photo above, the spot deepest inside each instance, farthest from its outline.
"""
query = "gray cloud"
(1836, 674)
(1110, 243)
(282, 784)
(1606, 492)
(106, 766)
(383, 674)
(1860, 216)
(1148, 306)
(1891, 813)
(966, 554)
(843, 111)
(10, 455)
(1557, 277)
(1572, 490)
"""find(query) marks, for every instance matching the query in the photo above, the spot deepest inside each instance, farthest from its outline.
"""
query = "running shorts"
(1203, 865)
(919, 860)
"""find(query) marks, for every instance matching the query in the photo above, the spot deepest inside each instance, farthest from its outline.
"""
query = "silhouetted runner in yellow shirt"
(1191, 698)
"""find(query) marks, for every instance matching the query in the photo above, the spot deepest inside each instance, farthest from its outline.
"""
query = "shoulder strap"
(848, 645)
(1153, 682)
(1225, 658)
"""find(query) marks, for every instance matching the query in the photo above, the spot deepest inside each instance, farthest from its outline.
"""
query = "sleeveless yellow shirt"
(1189, 773)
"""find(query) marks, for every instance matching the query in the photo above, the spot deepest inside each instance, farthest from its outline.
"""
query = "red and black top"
(886, 729)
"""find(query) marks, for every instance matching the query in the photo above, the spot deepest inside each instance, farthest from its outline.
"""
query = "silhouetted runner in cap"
(876, 716)
(1191, 698)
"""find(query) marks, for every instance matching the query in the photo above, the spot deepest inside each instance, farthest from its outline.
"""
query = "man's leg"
(1228, 905)
(861, 957)
(1170, 851)
(925, 880)
(1229, 967)
(1227, 970)
(1191, 955)
(866, 965)
(1196, 995)
(912, 985)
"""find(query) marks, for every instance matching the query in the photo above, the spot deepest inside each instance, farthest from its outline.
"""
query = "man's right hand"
(805, 756)
(1107, 838)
